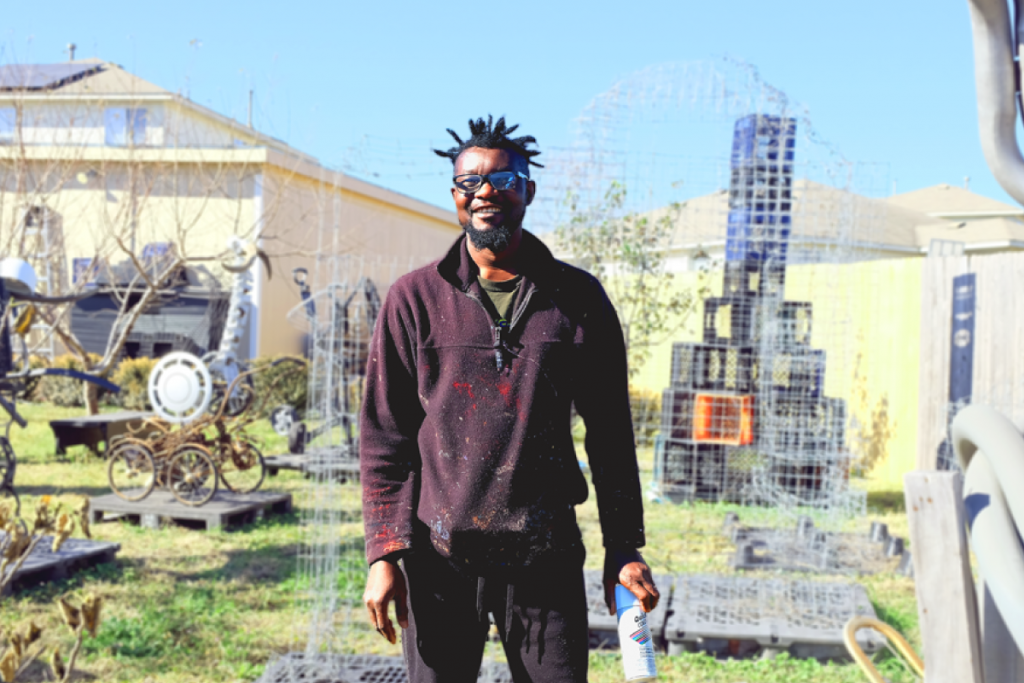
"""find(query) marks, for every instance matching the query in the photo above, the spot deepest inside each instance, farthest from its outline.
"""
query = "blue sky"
(884, 82)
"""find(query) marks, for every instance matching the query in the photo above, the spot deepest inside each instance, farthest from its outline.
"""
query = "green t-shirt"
(502, 294)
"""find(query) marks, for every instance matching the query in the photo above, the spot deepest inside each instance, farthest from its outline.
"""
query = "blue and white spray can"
(634, 637)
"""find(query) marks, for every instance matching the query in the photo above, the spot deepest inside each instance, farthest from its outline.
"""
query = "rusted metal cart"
(192, 460)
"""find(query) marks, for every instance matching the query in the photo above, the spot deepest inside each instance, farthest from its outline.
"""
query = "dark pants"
(541, 617)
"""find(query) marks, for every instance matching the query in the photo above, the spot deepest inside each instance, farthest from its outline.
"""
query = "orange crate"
(723, 419)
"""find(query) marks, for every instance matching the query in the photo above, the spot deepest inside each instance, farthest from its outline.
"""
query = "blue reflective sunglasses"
(468, 183)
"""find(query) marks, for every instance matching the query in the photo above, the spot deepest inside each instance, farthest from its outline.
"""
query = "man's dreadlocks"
(496, 136)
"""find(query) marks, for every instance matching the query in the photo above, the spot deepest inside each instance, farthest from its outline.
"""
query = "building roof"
(820, 213)
(977, 235)
(107, 78)
(902, 225)
(949, 201)
(24, 77)
(101, 80)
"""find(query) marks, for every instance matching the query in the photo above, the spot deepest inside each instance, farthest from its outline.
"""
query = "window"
(8, 124)
(124, 126)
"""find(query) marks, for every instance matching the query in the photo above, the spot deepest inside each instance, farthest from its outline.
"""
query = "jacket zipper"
(499, 332)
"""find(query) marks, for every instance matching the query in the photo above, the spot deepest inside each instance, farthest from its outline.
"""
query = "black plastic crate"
(796, 317)
(797, 371)
(802, 425)
(714, 367)
(686, 470)
(677, 414)
(811, 481)
(753, 278)
(742, 314)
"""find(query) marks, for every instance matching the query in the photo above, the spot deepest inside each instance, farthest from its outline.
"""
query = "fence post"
(946, 604)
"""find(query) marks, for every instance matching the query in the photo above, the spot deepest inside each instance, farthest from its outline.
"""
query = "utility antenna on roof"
(71, 51)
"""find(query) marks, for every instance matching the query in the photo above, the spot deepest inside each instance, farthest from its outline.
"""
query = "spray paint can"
(634, 637)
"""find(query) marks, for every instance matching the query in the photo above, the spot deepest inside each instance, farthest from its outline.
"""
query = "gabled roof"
(819, 213)
(25, 77)
(949, 201)
(904, 224)
(110, 79)
(106, 81)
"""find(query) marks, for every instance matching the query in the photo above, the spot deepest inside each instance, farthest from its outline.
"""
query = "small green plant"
(63, 391)
(285, 382)
(31, 385)
(132, 375)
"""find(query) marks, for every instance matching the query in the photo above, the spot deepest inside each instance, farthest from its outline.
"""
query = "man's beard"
(497, 239)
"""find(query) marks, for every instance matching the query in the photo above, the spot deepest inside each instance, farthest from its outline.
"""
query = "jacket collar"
(535, 262)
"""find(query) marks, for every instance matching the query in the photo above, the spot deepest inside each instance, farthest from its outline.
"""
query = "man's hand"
(628, 568)
(384, 584)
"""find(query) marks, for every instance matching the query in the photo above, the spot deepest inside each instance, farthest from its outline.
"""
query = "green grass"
(182, 605)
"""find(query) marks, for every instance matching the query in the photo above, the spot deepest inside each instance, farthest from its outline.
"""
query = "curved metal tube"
(991, 453)
(850, 640)
(42, 299)
(996, 80)
(75, 374)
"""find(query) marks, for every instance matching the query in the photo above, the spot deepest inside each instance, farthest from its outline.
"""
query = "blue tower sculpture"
(745, 417)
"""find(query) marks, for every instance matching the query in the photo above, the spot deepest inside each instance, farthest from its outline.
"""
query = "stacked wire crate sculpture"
(745, 418)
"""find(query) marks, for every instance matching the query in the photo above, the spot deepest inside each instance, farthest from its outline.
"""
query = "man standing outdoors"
(470, 476)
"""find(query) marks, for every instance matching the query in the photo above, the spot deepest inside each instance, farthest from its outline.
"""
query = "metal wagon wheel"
(192, 475)
(240, 400)
(241, 467)
(131, 469)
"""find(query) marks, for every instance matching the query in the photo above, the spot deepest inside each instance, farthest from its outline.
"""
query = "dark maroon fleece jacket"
(465, 432)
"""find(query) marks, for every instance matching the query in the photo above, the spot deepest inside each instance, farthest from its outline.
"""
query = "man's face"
(488, 216)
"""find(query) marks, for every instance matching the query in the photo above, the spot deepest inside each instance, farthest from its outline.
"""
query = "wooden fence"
(998, 342)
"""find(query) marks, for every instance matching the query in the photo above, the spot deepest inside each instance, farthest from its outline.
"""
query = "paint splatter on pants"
(541, 618)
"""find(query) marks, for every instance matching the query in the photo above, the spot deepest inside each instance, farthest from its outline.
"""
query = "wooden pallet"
(225, 509)
(44, 565)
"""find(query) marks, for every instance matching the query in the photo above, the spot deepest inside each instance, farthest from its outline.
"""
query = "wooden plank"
(1003, 660)
(999, 333)
(946, 604)
(44, 565)
(933, 381)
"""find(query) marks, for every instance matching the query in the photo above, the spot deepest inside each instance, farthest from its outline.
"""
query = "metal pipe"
(850, 640)
(995, 76)
(991, 452)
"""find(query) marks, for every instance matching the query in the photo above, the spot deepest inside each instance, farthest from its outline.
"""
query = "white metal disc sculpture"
(180, 387)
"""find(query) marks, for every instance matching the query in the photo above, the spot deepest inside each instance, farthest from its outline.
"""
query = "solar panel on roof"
(43, 76)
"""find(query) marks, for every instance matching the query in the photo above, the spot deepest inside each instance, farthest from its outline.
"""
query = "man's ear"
(531, 190)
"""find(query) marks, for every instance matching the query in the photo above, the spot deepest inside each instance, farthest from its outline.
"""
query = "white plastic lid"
(18, 276)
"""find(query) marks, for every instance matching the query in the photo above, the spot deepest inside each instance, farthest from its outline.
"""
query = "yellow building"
(96, 163)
